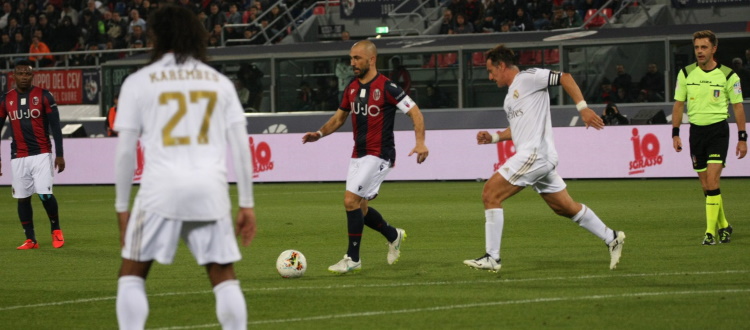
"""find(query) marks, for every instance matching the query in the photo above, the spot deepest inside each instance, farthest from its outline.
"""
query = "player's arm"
(677, 110)
(56, 130)
(245, 224)
(125, 155)
(484, 137)
(739, 116)
(420, 148)
(589, 117)
(333, 124)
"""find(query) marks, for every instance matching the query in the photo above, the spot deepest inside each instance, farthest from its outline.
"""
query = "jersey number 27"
(164, 98)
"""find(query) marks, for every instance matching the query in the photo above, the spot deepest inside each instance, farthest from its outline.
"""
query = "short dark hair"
(177, 29)
(501, 54)
(706, 34)
(24, 63)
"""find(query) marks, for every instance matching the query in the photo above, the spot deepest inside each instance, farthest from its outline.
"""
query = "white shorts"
(366, 174)
(152, 237)
(529, 170)
(32, 175)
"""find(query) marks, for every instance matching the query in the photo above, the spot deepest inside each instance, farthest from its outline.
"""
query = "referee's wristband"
(742, 135)
(675, 131)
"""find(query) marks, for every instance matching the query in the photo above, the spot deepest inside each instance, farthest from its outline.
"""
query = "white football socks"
(231, 309)
(493, 231)
(132, 304)
(586, 218)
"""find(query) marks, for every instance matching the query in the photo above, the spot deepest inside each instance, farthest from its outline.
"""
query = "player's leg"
(372, 218)
(214, 245)
(23, 187)
(552, 189)
(132, 303)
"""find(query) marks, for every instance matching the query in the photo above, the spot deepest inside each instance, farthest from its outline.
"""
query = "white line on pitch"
(347, 286)
(464, 306)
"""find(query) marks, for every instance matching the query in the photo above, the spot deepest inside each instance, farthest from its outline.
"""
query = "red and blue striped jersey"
(30, 120)
(373, 107)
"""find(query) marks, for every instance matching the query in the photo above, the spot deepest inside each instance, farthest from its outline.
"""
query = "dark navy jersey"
(31, 115)
(373, 106)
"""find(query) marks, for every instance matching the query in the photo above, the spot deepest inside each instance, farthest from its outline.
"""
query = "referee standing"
(709, 87)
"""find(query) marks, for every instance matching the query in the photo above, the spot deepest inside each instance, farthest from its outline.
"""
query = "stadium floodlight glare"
(381, 29)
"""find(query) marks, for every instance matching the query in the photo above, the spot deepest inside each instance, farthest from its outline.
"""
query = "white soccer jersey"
(528, 109)
(182, 112)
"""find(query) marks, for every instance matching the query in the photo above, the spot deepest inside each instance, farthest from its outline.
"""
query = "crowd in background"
(43, 26)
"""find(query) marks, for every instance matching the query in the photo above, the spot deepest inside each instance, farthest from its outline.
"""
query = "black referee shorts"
(709, 144)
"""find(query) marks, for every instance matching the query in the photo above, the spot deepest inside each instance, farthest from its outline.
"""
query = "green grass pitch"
(554, 275)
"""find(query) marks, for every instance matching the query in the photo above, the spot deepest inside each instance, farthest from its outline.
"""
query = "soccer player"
(528, 110)
(373, 101)
(33, 117)
(709, 88)
(186, 115)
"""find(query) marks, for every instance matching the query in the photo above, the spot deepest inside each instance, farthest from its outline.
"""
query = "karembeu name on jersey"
(173, 75)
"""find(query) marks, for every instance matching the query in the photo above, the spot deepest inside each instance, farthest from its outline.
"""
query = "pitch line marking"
(347, 286)
(464, 306)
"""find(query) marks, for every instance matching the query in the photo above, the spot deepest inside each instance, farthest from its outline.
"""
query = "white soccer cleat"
(394, 248)
(485, 262)
(346, 265)
(615, 249)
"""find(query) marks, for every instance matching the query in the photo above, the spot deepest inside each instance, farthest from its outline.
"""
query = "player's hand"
(311, 137)
(677, 144)
(60, 164)
(122, 220)
(421, 151)
(245, 225)
(484, 137)
(741, 149)
(591, 119)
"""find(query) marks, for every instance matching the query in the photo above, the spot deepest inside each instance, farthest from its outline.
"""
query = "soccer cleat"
(709, 239)
(615, 249)
(57, 239)
(484, 262)
(725, 235)
(346, 265)
(28, 245)
(394, 248)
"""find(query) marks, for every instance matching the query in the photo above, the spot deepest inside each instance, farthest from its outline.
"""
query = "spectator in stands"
(622, 95)
(109, 45)
(305, 98)
(462, 26)
(279, 21)
(92, 10)
(68, 11)
(503, 10)
(42, 55)
(137, 35)
(31, 10)
(435, 98)
(623, 80)
(215, 17)
(67, 36)
(522, 21)
(487, 25)
(21, 46)
(558, 20)
(744, 75)
(92, 57)
(612, 116)
(250, 15)
(48, 31)
(446, 25)
(213, 40)
(543, 21)
(13, 27)
(345, 36)
(136, 20)
(572, 18)
(474, 12)
(7, 14)
(52, 15)
(653, 83)
(642, 96)
(138, 6)
(6, 47)
(30, 27)
(457, 6)
(605, 92)
(233, 15)
(400, 75)
(115, 28)
(93, 30)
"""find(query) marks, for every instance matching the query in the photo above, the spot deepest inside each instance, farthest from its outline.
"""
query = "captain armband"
(742, 135)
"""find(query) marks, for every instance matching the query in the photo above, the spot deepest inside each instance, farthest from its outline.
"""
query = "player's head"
(363, 57)
(499, 60)
(704, 45)
(176, 29)
(23, 74)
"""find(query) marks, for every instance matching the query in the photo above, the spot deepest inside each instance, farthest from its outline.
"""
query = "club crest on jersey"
(376, 94)
(717, 93)
(515, 94)
(35, 100)
(11, 103)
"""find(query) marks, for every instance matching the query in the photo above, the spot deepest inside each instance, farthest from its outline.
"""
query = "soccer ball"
(291, 264)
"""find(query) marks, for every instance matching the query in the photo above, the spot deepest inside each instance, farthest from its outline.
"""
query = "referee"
(709, 87)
